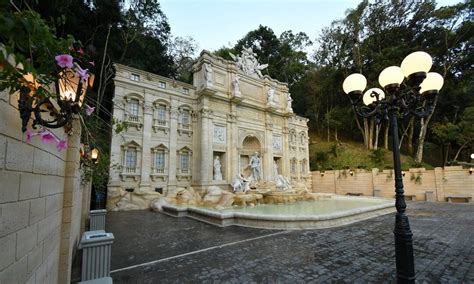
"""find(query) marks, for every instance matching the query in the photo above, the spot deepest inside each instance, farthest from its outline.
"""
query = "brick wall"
(417, 181)
(40, 203)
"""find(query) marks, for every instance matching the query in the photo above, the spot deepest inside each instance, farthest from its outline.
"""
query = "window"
(184, 162)
(134, 77)
(185, 119)
(303, 166)
(186, 91)
(133, 109)
(161, 115)
(162, 85)
(130, 160)
(160, 162)
(293, 166)
(302, 137)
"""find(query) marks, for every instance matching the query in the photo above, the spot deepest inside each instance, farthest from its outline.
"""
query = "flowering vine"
(46, 137)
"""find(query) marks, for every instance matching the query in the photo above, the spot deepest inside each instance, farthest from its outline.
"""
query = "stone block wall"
(40, 203)
(418, 181)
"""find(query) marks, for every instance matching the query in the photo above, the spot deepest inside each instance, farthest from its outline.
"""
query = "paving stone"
(358, 253)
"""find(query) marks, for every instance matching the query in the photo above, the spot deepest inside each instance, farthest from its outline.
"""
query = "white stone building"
(176, 130)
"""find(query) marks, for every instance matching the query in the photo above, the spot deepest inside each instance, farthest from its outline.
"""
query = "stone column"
(285, 160)
(173, 159)
(147, 157)
(206, 147)
(71, 220)
(268, 159)
(233, 143)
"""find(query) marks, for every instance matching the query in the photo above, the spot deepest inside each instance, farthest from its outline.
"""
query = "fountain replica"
(231, 139)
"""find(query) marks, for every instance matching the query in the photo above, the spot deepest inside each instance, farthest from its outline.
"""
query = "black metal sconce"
(48, 112)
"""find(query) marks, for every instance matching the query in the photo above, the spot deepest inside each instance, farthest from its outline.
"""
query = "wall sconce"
(47, 111)
(322, 173)
(471, 170)
(403, 173)
(351, 172)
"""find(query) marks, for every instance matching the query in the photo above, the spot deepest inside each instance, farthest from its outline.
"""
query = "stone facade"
(42, 203)
(420, 184)
(176, 130)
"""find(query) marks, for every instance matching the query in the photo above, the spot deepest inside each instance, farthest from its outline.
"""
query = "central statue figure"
(255, 167)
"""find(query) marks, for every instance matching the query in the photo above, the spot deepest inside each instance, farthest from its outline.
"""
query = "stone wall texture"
(41, 200)
(442, 183)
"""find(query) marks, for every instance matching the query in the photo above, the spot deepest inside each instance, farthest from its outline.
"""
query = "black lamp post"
(417, 98)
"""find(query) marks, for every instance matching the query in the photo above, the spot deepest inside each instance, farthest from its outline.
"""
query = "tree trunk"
(411, 130)
(422, 135)
(335, 135)
(366, 133)
(385, 141)
(459, 150)
(101, 89)
(377, 130)
(364, 136)
(371, 134)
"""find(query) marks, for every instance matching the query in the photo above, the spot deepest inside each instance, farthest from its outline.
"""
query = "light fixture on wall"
(417, 97)
(471, 170)
(50, 112)
(95, 156)
(351, 172)
(322, 173)
(403, 173)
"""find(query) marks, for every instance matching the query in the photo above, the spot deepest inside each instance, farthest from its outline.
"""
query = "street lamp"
(416, 98)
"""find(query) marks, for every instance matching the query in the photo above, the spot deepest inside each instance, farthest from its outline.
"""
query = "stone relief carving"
(277, 143)
(247, 63)
(219, 134)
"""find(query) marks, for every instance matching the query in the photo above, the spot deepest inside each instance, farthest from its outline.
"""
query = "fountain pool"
(328, 211)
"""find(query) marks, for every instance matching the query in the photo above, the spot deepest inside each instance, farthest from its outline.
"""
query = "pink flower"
(64, 60)
(81, 51)
(28, 134)
(89, 110)
(92, 63)
(47, 137)
(62, 145)
(82, 73)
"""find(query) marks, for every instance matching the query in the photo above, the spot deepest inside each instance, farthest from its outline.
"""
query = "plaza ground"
(151, 247)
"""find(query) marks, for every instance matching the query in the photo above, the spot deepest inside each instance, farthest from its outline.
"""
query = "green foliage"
(378, 156)
(416, 177)
(30, 47)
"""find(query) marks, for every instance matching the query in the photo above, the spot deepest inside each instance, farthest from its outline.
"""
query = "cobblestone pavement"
(181, 250)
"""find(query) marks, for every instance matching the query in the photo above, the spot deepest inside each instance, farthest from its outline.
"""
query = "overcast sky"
(217, 23)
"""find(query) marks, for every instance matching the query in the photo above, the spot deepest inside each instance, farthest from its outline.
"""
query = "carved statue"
(247, 62)
(289, 100)
(271, 96)
(236, 85)
(240, 184)
(207, 74)
(217, 169)
(255, 167)
(281, 182)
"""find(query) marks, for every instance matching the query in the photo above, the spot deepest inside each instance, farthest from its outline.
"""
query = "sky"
(217, 23)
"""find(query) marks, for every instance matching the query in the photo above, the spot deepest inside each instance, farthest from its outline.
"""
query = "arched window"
(184, 165)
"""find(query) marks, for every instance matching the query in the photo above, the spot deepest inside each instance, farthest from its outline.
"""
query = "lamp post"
(416, 98)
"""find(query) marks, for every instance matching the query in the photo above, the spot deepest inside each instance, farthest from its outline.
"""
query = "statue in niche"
(217, 169)
(240, 183)
(236, 85)
(207, 74)
(271, 96)
(281, 182)
(247, 62)
(289, 101)
(255, 167)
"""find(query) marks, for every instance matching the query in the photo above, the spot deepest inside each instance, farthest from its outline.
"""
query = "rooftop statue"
(247, 62)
